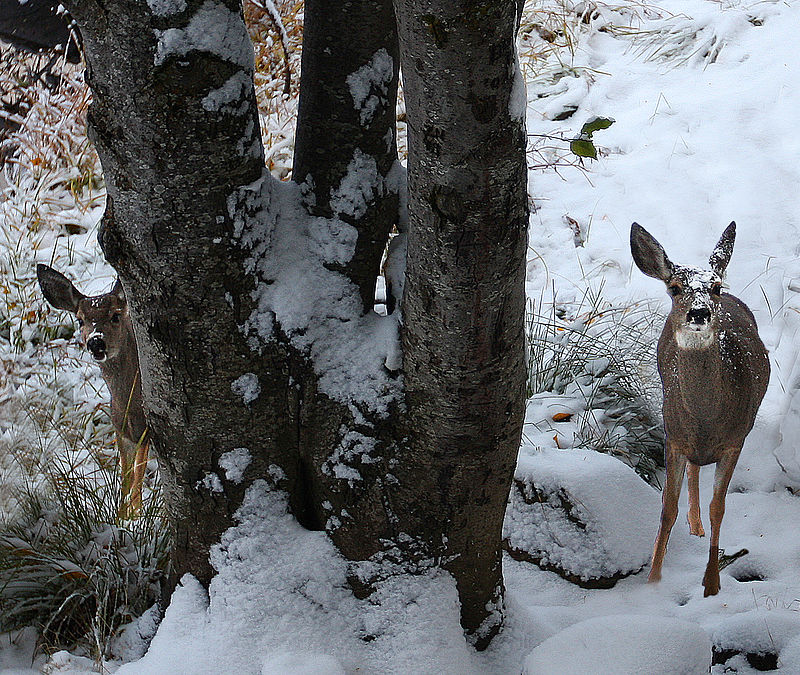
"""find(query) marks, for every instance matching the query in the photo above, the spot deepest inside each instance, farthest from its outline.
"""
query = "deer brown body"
(714, 373)
(107, 333)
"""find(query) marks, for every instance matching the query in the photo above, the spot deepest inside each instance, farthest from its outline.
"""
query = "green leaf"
(583, 147)
(595, 124)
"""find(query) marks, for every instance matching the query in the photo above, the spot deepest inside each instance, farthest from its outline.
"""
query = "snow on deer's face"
(696, 293)
(696, 297)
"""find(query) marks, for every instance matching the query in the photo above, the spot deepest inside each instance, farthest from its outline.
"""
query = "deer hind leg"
(695, 522)
(676, 464)
(716, 511)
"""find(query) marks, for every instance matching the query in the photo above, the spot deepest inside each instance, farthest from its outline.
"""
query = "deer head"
(103, 319)
(696, 293)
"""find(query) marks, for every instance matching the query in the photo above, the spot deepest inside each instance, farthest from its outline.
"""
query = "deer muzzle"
(96, 345)
(698, 317)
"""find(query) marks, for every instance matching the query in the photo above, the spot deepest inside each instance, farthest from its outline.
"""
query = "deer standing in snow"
(714, 372)
(107, 333)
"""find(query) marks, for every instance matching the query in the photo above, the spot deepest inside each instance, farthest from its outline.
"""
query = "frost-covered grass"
(595, 362)
(70, 567)
(277, 76)
(704, 105)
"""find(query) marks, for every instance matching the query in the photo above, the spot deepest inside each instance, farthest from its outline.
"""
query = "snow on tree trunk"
(463, 302)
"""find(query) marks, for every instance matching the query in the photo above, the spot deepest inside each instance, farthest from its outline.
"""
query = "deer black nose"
(97, 346)
(698, 315)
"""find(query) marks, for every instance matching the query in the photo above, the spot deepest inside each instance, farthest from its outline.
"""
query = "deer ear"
(118, 290)
(721, 255)
(649, 255)
(57, 289)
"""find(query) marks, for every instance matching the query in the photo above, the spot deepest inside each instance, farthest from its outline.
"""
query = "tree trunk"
(463, 308)
(175, 122)
(196, 227)
(346, 126)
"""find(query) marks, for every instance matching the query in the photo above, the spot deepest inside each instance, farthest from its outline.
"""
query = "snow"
(211, 482)
(757, 632)
(247, 386)
(319, 309)
(230, 93)
(234, 463)
(309, 618)
(361, 185)
(603, 492)
(625, 644)
(214, 29)
(369, 85)
(166, 7)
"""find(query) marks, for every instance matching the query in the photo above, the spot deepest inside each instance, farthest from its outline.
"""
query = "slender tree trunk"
(345, 145)
(346, 162)
(463, 307)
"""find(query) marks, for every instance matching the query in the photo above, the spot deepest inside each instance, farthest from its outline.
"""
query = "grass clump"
(71, 568)
(599, 359)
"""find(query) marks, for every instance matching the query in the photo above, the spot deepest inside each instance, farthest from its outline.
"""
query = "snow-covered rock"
(758, 634)
(624, 645)
(582, 514)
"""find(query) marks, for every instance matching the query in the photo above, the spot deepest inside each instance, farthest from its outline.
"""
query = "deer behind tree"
(107, 333)
(714, 373)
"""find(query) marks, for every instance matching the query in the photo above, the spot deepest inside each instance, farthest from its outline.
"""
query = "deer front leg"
(139, 466)
(695, 522)
(126, 468)
(676, 464)
(722, 479)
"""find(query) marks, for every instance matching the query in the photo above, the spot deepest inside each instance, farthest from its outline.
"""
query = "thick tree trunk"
(174, 119)
(345, 146)
(195, 228)
(463, 307)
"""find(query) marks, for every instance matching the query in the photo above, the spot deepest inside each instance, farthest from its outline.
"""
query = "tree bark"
(346, 125)
(463, 308)
(175, 122)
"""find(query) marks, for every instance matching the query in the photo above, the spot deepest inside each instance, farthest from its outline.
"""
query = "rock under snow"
(758, 634)
(581, 514)
(624, 645)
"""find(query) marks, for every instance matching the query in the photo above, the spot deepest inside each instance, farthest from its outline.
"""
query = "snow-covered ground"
(704, 96)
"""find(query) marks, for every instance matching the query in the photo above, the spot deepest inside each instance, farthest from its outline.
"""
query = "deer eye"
(674, 290)
(80, 323)
(115, 318)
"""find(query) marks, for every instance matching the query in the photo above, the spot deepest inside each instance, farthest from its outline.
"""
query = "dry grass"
(277, 78)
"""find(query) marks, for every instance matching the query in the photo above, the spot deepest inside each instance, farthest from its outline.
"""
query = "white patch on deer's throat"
(694, 338)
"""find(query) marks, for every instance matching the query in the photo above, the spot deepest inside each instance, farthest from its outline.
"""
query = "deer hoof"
(710, 584)
(654, 577)
(695, 526)
(697, 530)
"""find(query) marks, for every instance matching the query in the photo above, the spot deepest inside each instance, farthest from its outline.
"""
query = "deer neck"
(699, 369)
(121, 372)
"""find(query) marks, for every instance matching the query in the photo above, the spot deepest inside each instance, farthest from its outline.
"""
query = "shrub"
(70, 567)
(602, 358)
